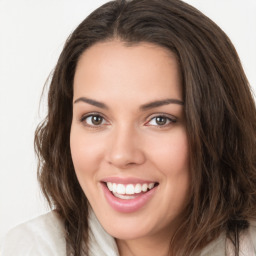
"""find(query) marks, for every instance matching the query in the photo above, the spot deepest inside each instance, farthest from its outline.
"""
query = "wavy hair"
(220, 121)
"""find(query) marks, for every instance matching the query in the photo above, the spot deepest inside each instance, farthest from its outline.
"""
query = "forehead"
(143, 69)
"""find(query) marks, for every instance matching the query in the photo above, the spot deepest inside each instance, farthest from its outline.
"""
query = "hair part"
(219, 110)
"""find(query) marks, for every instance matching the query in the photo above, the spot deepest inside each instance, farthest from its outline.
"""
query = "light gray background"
(32, 34)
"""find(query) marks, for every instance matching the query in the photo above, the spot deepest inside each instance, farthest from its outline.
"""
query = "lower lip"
(127, 205)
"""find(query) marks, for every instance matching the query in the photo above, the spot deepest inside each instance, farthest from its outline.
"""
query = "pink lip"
(128, 205)
(128, 180)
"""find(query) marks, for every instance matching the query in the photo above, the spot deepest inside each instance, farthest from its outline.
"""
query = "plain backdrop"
(32, 34)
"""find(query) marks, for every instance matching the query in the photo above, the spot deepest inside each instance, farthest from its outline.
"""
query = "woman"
(148, 146)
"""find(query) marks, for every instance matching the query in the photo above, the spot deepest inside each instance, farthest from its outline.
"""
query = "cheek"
(86, 153)
(177, 158)
(171, 153)
(172, 160)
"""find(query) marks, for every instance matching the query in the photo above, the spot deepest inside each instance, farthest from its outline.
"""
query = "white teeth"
(129, 189)
(120, 189)
(110, 186)
(114, 187)
(137, 188)
(151, 185)
(144, 187)
(124, 196)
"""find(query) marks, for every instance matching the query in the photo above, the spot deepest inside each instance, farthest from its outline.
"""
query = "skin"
(129, 142)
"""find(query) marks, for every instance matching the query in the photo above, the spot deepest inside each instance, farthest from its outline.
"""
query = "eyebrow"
(91, 102)
(146, 106)
(160, 103)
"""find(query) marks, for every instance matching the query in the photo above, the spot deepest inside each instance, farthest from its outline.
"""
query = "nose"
(125, 149)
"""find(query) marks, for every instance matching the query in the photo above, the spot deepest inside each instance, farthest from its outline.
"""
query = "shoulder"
(223, 246)
(43, 235)
(100, 242)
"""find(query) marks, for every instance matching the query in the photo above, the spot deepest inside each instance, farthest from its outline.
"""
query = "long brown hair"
(220, 119)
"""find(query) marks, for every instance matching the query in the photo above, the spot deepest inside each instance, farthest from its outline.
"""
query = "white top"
(44, 236)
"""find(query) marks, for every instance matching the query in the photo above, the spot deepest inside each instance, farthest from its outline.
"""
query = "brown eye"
(161, 120)
(96, 120)
(93, 120)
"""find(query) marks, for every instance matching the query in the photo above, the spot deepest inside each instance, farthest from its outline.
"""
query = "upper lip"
(127, 180)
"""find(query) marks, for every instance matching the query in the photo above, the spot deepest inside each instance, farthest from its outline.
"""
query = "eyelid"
(84, 116)
(171, 118)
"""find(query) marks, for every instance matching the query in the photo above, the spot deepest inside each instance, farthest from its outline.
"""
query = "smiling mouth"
(129, 191)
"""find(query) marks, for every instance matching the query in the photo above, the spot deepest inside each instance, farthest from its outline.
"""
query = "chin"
(127, 234)
(128, 227)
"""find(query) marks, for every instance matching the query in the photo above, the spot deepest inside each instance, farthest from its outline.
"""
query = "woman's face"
(128, 138)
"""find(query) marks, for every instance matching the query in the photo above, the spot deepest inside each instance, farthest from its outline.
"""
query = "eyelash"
(83, 120)
(169, 119)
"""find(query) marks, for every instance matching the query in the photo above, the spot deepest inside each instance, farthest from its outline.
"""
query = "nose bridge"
(124, 149)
